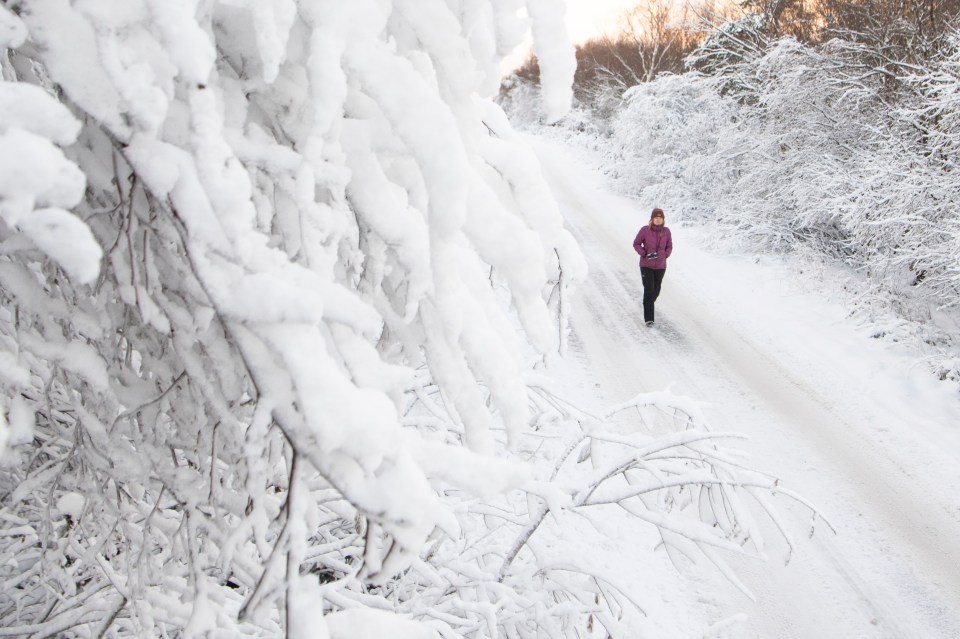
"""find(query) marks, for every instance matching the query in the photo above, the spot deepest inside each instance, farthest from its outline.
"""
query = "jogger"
(654, 244)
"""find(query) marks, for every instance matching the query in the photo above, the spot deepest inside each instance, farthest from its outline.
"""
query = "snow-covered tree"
(908, 191)
(281, 211)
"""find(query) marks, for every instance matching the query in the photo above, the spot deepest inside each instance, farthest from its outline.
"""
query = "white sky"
(586, 18)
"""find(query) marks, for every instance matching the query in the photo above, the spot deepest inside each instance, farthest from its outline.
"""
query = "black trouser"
(652, 279)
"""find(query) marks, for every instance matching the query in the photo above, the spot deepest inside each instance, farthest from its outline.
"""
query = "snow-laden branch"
(231, 234)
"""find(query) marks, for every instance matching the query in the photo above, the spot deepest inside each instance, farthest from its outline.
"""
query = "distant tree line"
(652, 40)
(655, 39)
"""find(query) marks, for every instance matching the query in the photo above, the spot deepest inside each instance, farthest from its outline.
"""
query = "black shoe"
(649, 322)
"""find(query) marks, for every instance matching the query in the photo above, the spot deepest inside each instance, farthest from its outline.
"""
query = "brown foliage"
(653, 39)
(911, 26)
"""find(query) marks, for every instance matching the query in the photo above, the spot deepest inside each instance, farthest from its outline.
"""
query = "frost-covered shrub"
(520, 100)
(922, 212)
(730, 46)
(779, 159)
(803, 137)
(671, 144)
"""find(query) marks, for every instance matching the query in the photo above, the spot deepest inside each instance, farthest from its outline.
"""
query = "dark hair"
(656, 213)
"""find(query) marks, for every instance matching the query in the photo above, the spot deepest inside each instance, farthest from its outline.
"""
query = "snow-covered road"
(854, 425)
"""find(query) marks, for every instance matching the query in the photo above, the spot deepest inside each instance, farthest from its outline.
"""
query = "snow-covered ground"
(857, 426)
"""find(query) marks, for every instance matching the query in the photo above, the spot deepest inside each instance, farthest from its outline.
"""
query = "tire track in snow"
(917, 531)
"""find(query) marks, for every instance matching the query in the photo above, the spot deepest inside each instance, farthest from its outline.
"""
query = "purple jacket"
(653, 240)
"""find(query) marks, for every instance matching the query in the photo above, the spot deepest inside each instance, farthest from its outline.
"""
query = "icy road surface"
(856, 425)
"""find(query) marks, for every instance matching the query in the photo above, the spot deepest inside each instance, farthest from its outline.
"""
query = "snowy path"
(852, 424)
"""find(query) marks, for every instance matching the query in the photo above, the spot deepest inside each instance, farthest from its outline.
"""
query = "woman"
(654, 245)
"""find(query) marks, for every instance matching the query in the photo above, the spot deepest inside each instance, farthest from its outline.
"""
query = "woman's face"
(658, 220)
